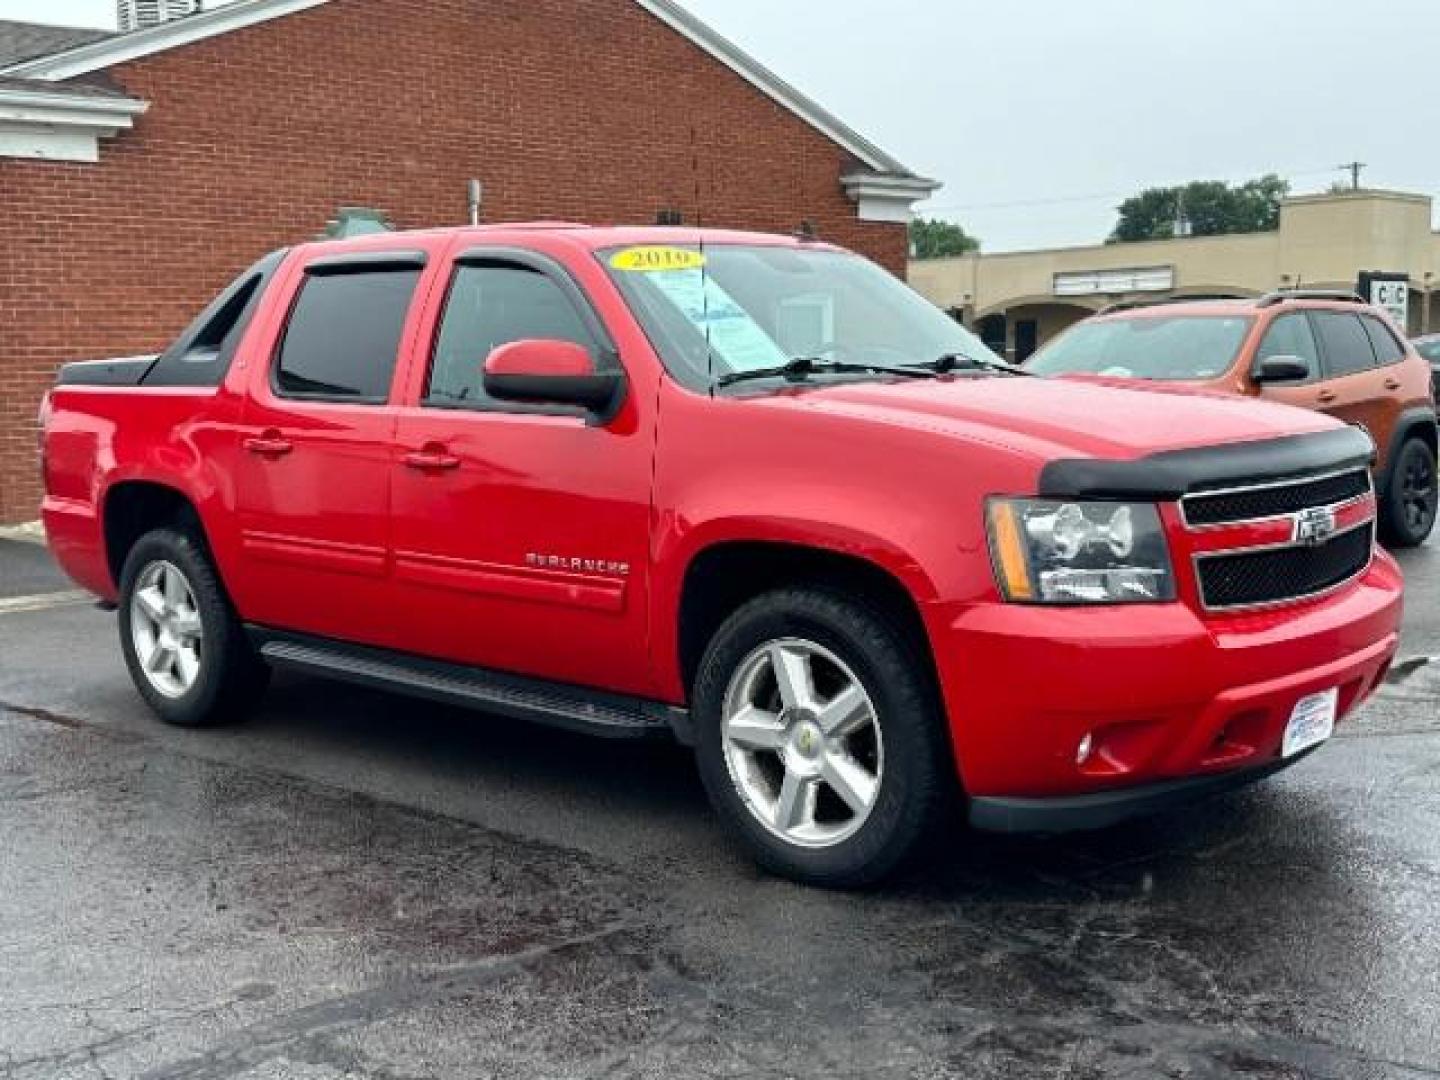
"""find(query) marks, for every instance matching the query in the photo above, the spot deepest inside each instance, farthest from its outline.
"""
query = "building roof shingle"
(68, 89)
(21, 41)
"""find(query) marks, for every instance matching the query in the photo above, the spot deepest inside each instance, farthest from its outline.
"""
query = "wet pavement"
(355, 885)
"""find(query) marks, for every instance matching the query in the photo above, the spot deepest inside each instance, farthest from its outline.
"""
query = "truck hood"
(1062, 418)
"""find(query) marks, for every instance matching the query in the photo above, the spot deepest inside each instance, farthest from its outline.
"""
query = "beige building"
(1019, 300)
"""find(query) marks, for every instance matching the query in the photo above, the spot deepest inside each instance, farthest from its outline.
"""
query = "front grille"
(1280, 574)
(1254, 503)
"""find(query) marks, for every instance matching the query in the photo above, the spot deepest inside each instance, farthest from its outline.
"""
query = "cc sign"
(1388, 291)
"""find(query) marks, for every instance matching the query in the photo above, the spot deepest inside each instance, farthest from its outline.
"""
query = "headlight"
(1079, 552)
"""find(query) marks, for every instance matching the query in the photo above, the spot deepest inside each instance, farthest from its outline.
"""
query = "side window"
(1290, 335)
(493, 304)
(1346, 345)
(1387, 349)
(344, 335)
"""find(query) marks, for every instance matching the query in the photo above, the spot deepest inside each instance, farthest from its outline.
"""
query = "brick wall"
(586, 110)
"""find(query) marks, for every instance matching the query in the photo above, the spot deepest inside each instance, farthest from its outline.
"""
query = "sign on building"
(1390, 291)
(1115, 282)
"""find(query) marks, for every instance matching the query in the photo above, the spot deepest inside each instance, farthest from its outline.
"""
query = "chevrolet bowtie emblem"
(1314, 527)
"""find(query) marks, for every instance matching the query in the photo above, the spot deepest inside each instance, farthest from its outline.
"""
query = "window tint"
(1290, 335)
(1347, 346)
(492, 305)
(1387, 349)
(344, 334)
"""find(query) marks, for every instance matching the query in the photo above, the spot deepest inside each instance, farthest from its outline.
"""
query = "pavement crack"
(267, 1040)
(47, 716)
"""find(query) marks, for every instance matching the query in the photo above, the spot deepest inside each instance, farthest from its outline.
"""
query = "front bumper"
(1100, 809)
(1175, 704)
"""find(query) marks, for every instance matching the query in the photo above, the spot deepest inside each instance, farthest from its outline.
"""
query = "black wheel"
(1407, 512)
(819, 737)
(185, 649)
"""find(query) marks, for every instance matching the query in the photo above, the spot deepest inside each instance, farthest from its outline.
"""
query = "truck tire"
(185, 648)
(819, 738)
(1408, 506)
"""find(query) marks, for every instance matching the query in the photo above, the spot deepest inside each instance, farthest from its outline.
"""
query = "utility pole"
(1354, 168)
(1182, 223)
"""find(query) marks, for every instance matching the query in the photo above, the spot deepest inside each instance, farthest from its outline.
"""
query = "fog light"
(1083, 751)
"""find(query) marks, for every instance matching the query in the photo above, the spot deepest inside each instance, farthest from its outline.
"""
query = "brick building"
(140, 171)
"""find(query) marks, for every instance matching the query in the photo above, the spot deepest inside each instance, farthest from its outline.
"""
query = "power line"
(1070, 199)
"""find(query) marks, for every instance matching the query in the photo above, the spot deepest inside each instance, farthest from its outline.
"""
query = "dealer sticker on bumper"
(1311, 722)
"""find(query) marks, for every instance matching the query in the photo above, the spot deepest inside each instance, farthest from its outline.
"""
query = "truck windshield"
(1180, 348)
(735, 308)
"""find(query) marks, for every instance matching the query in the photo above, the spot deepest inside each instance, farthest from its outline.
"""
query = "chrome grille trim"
(1199, 558)
(1204, 556)
(1273, 485)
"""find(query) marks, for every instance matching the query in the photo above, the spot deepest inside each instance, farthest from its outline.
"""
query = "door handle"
(1325, 397)
(432, 459)
(1392, 384)
(269, 445)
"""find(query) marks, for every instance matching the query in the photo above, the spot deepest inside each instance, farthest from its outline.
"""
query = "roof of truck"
(595, 237)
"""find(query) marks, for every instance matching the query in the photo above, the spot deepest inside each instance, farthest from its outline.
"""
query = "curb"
(31, 532)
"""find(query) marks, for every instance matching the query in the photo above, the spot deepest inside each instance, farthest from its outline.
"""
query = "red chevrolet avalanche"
(747, 491)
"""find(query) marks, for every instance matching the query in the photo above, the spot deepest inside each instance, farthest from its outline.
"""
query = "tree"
(1209, 207)
(938, 239)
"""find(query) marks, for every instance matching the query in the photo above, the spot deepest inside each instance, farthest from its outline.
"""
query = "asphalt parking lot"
(355, 885)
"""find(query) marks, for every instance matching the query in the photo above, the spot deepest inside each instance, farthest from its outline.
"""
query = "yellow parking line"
(41, 601)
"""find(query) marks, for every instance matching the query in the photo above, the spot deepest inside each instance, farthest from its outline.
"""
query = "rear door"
(313, 484)
(1390, 397)
(1351, 390)
(521, 533)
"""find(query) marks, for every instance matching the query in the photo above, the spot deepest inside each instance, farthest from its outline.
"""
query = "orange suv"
(1328, 351)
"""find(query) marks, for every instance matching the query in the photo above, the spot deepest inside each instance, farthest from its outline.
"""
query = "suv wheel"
(1409, 508)
(185, 649)
(819, 740)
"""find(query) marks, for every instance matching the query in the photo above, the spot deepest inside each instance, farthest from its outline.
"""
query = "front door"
(313, 486)
(521, 534)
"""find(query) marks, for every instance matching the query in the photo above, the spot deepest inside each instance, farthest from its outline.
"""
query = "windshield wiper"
(957, 361)
(802, 367)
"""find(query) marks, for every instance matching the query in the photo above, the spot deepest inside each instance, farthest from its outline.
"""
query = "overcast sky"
(1040, 115)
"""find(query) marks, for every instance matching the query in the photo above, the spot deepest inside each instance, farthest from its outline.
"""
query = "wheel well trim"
(115, 483)
(884, 557)
(1419, 421)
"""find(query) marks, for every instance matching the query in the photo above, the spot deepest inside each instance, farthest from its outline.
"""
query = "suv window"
(1158, 346)
(1347, 347)
(1290, 335)
(493, 304)
(1387, 349)
(344, 335)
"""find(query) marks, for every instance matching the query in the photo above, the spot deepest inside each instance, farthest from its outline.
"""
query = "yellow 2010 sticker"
(647, 260)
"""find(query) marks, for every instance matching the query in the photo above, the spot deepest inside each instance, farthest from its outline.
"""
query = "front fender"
(678, 545)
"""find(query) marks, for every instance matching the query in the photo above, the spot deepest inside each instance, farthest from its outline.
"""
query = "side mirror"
(539, 372)
(1278, 369)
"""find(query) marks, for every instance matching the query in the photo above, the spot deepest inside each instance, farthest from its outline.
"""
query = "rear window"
(344, 335)
(1429, 349)
(1171, 348)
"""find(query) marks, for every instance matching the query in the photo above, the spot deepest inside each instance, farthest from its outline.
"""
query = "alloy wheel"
(1417, 492)
(166, 629)
(803, 743)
